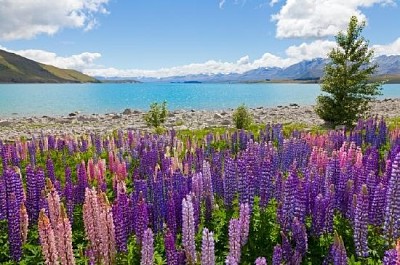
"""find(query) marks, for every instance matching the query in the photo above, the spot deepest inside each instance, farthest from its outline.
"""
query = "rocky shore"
(76, 123)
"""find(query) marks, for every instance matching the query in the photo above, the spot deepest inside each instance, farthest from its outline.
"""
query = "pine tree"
(346, 78)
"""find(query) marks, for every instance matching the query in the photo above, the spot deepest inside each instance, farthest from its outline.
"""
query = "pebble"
(12, 127)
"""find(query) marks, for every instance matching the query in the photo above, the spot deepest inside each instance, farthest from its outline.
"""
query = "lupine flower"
(361, 223)
(299, 235)
(47, 240)
(147, 248)
(64, 239)
(277, 256)
(14, 227)
(234, 241)
(188, 229)
(391, 227)
(24, 222)
(260, 261)
(53, 200)
(207, 248)
(170, 249)
(142, 218)
(244, 219)
(338, 251)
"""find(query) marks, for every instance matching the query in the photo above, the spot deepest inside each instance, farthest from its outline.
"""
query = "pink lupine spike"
(47, 240)
(24, 222)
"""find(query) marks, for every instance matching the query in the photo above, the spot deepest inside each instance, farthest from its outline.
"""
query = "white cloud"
(25, 19)
(210, 67)
(319, 18)
(389, 49)
(221, 3)
(77, 61)
(307, 51)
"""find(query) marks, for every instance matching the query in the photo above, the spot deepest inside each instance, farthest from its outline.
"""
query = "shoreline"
(15, 127)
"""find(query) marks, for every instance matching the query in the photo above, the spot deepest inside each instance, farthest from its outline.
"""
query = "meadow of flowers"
(266, 197)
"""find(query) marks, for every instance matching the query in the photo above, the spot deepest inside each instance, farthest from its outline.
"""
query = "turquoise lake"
(61, 99)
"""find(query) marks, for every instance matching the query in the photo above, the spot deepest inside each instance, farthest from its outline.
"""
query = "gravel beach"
(76, 123)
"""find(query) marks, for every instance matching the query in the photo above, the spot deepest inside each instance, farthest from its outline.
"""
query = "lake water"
(61, 99)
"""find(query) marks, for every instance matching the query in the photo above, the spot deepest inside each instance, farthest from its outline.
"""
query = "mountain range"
(18, 69)
(304, 71)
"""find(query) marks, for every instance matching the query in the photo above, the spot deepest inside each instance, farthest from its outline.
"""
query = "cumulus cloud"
(273, 2)
(319, 18)
(307, 51)
(221, 3)
(389, 49)
(77, 61)
(25, 19)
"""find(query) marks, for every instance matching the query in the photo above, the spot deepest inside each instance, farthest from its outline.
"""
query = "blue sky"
(160, 38)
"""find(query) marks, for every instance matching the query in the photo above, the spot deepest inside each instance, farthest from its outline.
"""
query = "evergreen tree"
(346, 79)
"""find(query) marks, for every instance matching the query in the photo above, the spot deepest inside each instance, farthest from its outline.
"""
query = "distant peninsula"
(17, 69)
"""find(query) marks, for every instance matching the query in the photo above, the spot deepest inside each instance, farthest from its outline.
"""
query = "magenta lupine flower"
(188, 229)
(47, 240)
(234, 240)
(230, 260)
(207, 248)
(260, 261)
(244, 219)
(147, 248)
(361, 223)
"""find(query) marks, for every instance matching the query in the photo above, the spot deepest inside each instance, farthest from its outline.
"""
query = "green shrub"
(242, 117)
(157, 114)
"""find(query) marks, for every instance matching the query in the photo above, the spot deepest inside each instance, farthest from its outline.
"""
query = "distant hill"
(308, 70)
(18, 69)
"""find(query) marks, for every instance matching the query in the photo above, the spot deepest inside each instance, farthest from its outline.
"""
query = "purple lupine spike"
(50, 170)
(33, 195)
(329, 210)
(69, 195)
(121, 221)
(171, 214)
(208, 190)
(170, 249)
(277, 256)
(300, 202)
(147, 248)
(391, 227)
(378, 205)
(338, 251)
(82, 183)
(141, 217)
(260, 261)
(159, 207)
(229, 181)
(390, 257)
(361, 223)
(234, 241)
(299, 234)
(266, 187)
(244, 219)
(207, 248)
(188, 229)
(14, 227)
(243, 187)
(288, 204)
(3, 199)
(287, 250)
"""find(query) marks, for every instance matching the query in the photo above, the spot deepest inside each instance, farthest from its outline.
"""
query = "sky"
(159, 38)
